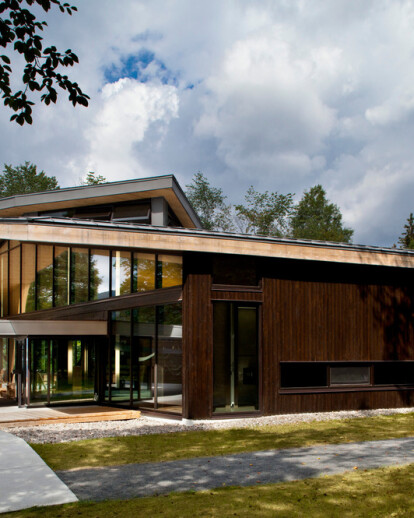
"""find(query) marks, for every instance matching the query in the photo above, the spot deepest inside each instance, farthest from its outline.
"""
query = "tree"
(406, 240)
(209, 203)
(315, 218)
(24, 179)
(93, 179)
(266, 213)
(19, 25)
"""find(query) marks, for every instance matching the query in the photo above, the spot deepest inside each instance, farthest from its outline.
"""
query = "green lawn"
(386, 492)
(182, 445)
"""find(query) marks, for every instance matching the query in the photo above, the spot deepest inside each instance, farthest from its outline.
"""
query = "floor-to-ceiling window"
(7, 366)
(144, 366)
(62, 369)
(235, 357)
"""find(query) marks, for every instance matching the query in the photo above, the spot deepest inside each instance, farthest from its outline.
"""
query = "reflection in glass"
(120, 356)
(79, 275)
(7, 377)
(14, 281)
(28, 277)
(72, 369)
(235, 358)
(121, 273)
(169, 271)
(99, 274)
(39, 355)
(169, 358)
(143, 272)
(143, 355)
(62, 369)
(4, 284)
(61, 276)
(44, 277)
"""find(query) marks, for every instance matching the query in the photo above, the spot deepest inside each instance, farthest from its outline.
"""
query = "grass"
(184, 445)
(385, 492)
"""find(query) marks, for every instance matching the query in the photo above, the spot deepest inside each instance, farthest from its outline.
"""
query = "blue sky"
(280, 95)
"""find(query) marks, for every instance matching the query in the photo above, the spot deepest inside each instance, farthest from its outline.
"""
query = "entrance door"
(235, 357)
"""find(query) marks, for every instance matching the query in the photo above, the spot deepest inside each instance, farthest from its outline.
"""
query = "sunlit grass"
(185, 445)
(386, 492)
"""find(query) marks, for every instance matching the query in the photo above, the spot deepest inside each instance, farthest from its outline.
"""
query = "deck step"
(69, 417)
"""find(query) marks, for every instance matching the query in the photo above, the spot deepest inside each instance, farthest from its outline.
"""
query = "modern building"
(113, 293)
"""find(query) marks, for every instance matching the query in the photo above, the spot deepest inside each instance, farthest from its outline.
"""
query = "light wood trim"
(181, 242)
(168, 194)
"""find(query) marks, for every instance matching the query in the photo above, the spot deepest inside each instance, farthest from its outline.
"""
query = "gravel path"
(57, 433)
(245, 469)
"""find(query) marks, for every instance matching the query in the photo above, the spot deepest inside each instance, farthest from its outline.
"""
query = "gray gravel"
(245, 469)
(57, 433)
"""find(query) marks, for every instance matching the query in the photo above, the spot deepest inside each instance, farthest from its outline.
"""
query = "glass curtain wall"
(144, 337)
(235, 358)
(7, 366)
(144, 366)
(62, 369)
(119, 372)
(38, 277)
(4, 279)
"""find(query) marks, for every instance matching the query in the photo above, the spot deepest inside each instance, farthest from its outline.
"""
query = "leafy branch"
(18, 25)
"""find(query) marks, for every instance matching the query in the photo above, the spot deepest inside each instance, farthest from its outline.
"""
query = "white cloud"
(282, 95)
(129, 108)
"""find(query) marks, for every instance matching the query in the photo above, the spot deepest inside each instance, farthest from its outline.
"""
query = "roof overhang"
(23, 328)
(183, 240)
(114, 192)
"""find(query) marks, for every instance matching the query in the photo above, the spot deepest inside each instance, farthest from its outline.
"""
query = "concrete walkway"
(136, 480)
(26, 480)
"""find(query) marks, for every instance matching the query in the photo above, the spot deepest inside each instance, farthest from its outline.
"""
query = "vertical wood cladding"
(197, 337)
(334, 313)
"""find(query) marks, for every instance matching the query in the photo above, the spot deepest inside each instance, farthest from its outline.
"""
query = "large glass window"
(44, 277)
(14, 281)
(28, 277)
(99, 274)
(62, 276)
(38, 277)
(169, 358)
(146, 370)
(121, 273)
(235, 358)
(62, 369)
(143, 272)
(120, 357)
(79, 275)
(72, 370)
(143, 355)
(7, 364)
(170, 271)
(39, 370)
(4, 284)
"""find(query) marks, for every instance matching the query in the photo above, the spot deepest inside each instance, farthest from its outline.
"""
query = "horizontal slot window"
(350, 375)
(394, 373)
(309, 375)
(300, 375)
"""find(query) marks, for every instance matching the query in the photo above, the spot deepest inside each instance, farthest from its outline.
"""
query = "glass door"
(235, 358)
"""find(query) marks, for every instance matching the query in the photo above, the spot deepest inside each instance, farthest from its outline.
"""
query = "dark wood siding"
(197, 337)
(342, 314)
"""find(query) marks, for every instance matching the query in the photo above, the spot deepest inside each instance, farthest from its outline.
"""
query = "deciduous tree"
(265, 213)
(24, 179)
(209, 203)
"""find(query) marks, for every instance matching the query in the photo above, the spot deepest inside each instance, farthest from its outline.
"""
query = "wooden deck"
(13, 416)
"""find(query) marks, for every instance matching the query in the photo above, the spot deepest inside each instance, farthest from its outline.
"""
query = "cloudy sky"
(278, 94)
